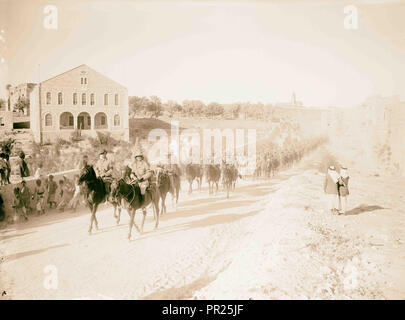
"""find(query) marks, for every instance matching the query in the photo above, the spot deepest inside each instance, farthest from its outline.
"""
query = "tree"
(154, 107)
(214, 109)
(198, 107)
(22, 104)
(137, 105)
(187, 108)
(218, 109)
(172, 107)
(232, 110)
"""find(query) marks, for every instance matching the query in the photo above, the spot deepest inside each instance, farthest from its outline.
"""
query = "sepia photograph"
(202, 150)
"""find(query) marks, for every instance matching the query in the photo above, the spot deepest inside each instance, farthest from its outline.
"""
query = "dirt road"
(270, 240)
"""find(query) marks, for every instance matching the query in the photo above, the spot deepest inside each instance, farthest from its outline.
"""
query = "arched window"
(106, 99)
(48, 98)
(116, 120)
(92, 99)
(100, 121)
(85, 80)
(60, 99)
(83, 99)
(48, 120)
(116, 99)
(75, 98)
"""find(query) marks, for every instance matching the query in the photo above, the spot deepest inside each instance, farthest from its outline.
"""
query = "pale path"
(270, 240)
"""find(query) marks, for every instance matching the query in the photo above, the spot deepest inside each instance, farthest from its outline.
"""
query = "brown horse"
(194, 172)
(164, 185)
(168, 181)
(235, 176)
(94, 192)
(229, 176)
(175, 174)
(212, 174)
(132, 200)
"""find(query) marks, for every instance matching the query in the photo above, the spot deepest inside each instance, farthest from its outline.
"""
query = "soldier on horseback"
(141, 170)
(104, 169)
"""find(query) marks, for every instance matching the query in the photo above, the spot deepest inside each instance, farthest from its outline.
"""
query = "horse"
(175, 173)
(168, 181)
(212, 174)
(235, 176)
(94, 192)
(227, 176)
(131, 199)
(164, 185)
(116, 202)
(194, 171)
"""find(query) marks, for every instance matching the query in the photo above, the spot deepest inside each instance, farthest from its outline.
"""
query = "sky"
(223, 51)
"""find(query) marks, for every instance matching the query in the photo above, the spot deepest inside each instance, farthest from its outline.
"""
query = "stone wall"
(7, 119)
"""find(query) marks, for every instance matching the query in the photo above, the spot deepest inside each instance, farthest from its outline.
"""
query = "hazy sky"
(222, 51)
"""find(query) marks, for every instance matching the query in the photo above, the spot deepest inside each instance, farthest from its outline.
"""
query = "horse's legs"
(173, 197)
(156, 207)
(115, 210)
(164, 203)
(163, 197)
(95, 218)
(131, 221)
(91, 217)
(144, 216)
(119, 215)
(190, 189)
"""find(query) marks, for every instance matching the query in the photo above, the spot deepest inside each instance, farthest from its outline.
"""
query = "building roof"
(82, 65)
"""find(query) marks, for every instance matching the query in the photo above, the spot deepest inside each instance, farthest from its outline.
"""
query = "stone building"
(80, 100)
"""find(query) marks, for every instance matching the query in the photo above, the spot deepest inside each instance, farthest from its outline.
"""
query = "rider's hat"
(138, 153)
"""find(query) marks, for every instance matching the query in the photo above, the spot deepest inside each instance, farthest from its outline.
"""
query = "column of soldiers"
(140, 170)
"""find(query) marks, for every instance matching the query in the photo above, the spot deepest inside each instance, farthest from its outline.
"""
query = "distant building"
(21, 91)
(79, 99)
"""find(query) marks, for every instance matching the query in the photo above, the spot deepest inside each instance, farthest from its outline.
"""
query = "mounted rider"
(104, 170)
(141, 170)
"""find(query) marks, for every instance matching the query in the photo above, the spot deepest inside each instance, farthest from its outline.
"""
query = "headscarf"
(333, 174)
(343, 172)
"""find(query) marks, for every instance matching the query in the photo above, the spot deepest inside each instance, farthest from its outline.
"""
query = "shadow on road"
(363, 208)
(2, 238)
(30, 253)
(209, 221)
